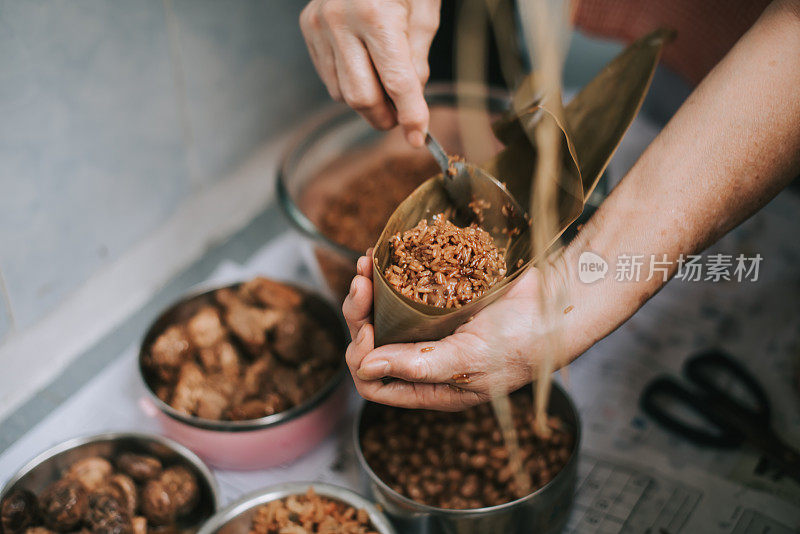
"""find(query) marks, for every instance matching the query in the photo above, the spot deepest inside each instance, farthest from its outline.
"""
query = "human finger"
(422, 25)
(358, 82)
(364, 265)
(357, 306)
(319, 48)
(451, 360)
(389, 49)
(443, 397)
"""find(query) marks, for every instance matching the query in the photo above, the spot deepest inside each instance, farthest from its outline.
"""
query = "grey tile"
(92, 151)
(247, 76)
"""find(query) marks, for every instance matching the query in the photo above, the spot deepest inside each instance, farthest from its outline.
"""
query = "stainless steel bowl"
(544, 511)
(255, 443)
(238, 517)
(48, 466)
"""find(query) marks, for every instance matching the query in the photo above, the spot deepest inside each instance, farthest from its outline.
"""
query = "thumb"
(427, 362)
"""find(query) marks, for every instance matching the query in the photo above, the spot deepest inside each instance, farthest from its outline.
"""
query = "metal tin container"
(238, 517)
(544, 511)
(256, 443)
(48, 466)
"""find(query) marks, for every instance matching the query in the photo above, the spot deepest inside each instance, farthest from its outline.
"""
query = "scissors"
(732, 405)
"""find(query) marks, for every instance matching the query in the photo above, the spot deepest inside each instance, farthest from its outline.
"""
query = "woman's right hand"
(373, 54)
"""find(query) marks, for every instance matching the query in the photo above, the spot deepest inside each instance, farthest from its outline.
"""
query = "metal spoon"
(465, 182)
(455, 174)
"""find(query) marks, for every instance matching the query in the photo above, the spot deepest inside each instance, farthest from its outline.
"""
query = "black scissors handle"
(664, 395)
(706, 368)
(726, 420)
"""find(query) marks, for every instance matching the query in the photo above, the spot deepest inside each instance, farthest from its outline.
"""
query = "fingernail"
(415, 138)
(360, 266)
(373, 370)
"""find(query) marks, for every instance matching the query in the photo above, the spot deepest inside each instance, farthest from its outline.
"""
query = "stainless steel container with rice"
(462, 483)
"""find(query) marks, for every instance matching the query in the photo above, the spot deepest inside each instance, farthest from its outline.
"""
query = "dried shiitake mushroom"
(139, 525)
(182, 486)
(157, 504)
(114, 525)
(92, 472)
(139, 496)
(139, 467)
(19, 511)
(64, 504)
(123, 489)
(107, 515)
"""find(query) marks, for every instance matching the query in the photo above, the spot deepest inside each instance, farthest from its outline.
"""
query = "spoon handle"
(438, 152)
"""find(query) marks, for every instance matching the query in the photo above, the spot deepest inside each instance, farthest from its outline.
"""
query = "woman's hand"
(498, 351)
(373, 54)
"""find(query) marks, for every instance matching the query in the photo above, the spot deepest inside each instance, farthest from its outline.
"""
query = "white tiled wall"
(5, 315)
(247, 74)
(113, 113)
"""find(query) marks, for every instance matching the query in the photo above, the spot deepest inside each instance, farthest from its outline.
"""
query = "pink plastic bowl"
(256, 443)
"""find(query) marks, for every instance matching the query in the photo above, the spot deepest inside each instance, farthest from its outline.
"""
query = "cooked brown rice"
(442, 264)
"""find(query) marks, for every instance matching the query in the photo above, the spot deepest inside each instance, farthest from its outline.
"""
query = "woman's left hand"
(497, 352)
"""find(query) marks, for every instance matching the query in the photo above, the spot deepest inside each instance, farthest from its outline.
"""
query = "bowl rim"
(80, 441)
(275, 419)
(304, 135)
(285, 489)
(420, 508)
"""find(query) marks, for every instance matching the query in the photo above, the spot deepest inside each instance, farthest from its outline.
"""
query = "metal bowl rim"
(250, 424)
(420, 508)
(339, 112)
(80, 441)
(286, 489)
